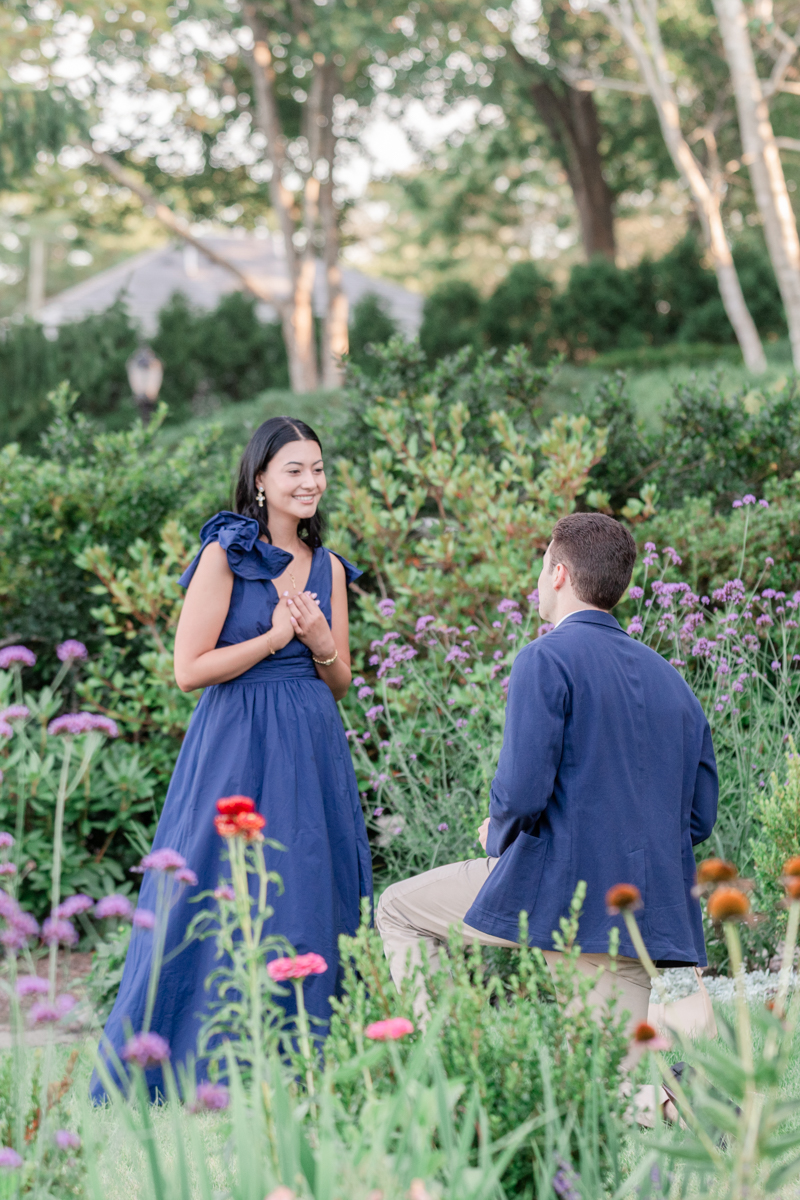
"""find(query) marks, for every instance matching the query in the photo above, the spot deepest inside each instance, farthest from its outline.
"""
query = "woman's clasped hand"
(310, 625)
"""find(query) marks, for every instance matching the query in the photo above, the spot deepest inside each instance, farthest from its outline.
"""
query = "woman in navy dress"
(264, 630)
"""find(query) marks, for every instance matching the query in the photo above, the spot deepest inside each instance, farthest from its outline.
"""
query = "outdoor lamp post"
(145, 373)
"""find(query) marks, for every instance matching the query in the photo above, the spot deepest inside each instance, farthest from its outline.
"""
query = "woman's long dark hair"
(265, 443)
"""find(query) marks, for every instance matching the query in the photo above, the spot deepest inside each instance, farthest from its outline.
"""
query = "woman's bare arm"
(198, 663)
(322, 639)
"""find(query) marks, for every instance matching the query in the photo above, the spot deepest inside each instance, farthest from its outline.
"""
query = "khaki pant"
(422, 910)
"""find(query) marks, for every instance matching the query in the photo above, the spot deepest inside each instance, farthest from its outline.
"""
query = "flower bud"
(728, 904)
(623, 896)
(716, 870)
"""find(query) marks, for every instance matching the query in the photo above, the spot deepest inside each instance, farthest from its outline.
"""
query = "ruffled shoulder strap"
(351, 573)
(248, 557)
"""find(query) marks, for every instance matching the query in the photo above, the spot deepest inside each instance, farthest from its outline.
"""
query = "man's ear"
(560, 576)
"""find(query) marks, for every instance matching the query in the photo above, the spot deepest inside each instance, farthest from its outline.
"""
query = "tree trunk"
(763, 161)
(298, 321)
(335, 333)
(654, 68)
(37, 272)
(571, 120)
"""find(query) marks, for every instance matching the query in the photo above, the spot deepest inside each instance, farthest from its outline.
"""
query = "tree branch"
(167, 217)
(582, 81)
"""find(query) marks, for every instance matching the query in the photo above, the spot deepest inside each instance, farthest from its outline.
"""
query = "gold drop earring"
(260, 497)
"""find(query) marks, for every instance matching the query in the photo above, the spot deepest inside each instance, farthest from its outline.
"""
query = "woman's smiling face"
(294, 480)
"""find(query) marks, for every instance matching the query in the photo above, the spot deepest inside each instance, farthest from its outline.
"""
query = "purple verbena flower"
(443, 828)
(186, 875)
(8, 868)
(162, 860)
(506, 605)
(387, 607)
(748, 499)
(533, 598)
(57, 929)
(635, 626)
(373, 713)
(6, 840)
(15, 712)
(146, 1049)
(143, 918)
(364, 692)
(71, 651)
(16, 654)
(635, 592)
(5, 729)
(763, 504)
(736, 504)
(211, 1097)
(9, 1159)
(74, 905)
(31, 985)
(224, 892)
(113, 906)
(66, 1140)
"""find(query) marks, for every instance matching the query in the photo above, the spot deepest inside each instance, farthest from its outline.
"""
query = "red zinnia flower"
(224, 827)
(232, 806)
(792, 866)
(249, 824)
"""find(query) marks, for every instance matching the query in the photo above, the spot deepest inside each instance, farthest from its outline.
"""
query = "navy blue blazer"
(607, 775)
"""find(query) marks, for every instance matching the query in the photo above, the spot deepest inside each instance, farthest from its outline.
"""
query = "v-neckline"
(314, 555)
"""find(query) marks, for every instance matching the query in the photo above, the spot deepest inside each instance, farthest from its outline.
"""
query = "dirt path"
(72, 971)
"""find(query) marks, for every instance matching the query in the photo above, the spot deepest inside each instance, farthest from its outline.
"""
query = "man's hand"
(483, 833)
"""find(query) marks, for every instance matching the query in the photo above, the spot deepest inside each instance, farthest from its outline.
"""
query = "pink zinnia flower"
(74, 905)
(390, 1030)
(71, 650)
(113, 906)
(143, 918)
(299, 967)
(163, 860)
(16, 654)
(211, 1097)
(146, 1049)
(57, 929)
(31, 985)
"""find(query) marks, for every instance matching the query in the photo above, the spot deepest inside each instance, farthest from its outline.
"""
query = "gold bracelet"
(325, 662)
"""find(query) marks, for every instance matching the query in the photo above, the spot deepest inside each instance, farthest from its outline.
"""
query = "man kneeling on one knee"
(606, 774)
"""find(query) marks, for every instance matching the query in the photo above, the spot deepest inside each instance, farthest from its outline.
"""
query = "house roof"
(147, 281)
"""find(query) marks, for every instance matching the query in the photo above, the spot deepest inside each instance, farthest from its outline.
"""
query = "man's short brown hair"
(599, 554)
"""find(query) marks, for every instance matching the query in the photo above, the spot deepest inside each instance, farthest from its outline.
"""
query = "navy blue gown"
(275, 734)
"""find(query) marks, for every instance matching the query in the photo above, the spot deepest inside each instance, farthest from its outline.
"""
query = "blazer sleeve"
(538, 700)
(706, 791)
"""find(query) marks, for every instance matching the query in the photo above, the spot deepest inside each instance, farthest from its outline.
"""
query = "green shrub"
(370, 326)
(227, 355)
(451, 319)
(600, 308)
(518, 312)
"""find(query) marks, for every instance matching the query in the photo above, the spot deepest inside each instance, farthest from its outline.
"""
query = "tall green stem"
(58, 833)
(163, 903)
(753, 1102)
(638, 943)
(305, 1034)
